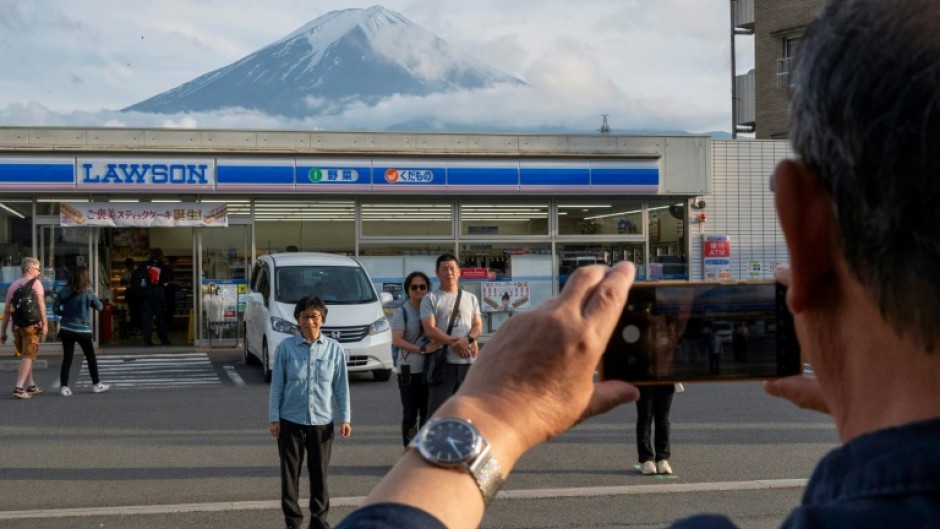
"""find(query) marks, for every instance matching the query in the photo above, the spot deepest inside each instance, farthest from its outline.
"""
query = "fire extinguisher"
(106, 321)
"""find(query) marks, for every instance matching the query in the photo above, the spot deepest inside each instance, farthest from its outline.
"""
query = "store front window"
(575, 255)
(487, 219)
(587, 217)
(667, 239)
(16, 239)
(327, 225)
(413, 218)
(507, 278)
(389, 263)
(16, 242)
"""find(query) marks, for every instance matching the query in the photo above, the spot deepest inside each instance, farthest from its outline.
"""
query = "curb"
(14, 365)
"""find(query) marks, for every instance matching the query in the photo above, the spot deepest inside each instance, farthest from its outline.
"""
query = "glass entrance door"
(61, 250)
(224, 258)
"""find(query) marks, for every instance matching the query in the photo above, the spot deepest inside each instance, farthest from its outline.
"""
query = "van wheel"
(382, 375)
(265, 367)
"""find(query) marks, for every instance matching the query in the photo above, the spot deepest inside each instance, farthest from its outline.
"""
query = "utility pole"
(605, 128)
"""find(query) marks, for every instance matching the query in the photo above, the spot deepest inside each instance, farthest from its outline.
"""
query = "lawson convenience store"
(521, 212)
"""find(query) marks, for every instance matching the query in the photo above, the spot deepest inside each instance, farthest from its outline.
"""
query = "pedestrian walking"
(28, 332)
(73, 304)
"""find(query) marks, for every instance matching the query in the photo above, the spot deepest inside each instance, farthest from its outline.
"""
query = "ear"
(807, 218)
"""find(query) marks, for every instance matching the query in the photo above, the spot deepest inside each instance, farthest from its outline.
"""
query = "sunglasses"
(418, 287)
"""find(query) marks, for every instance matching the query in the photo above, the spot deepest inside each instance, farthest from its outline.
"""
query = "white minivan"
(354, 319)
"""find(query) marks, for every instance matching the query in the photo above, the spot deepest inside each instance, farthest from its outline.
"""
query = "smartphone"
(681, 331)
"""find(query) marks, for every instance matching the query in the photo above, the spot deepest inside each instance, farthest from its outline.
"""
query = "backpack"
(153, 273)
(26, 310)
(140, 281)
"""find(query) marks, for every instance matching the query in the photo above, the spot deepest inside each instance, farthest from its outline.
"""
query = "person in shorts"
(26, 339)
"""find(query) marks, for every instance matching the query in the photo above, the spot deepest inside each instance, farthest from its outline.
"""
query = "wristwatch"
(456, 443)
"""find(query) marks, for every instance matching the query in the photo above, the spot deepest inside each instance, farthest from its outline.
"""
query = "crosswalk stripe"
(152, 371)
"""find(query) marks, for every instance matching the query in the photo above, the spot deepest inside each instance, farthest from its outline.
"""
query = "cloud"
(558, 99)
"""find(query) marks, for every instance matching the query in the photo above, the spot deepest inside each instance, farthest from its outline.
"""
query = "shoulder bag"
(434, 366)
(396, 352)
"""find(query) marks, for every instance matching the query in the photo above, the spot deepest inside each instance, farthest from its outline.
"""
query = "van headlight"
(379, 326)
(284, 326)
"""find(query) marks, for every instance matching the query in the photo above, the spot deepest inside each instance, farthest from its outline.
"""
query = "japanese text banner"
(143, 214)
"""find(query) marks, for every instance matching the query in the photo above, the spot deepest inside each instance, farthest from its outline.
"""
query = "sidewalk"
(47, 352)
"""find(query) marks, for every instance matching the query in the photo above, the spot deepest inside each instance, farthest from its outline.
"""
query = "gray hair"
(28, 262)
(865, 119)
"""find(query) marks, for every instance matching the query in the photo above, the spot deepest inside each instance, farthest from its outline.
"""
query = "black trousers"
(454, 374)
(133, 306)
(317, 442)
(69, 339)
(153, 307)
(654, 404)
(414, 406)
(714, 363)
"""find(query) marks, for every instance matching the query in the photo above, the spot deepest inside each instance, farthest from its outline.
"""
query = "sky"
(649, 65)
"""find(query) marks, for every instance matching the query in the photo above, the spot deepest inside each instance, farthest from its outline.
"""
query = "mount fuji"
(352, 57)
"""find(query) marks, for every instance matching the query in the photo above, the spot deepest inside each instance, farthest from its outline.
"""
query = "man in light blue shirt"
(309, 373)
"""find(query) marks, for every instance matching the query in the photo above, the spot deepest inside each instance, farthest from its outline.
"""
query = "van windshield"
(336, 285)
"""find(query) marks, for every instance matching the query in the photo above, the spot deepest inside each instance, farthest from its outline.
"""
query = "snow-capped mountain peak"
(352, 56)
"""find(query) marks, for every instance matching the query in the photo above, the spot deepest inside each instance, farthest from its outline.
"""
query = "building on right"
(761, 96)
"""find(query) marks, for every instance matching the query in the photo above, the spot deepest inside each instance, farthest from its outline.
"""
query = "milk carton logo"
(409, 176)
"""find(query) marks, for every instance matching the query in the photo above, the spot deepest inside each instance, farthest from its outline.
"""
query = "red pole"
(106, 322)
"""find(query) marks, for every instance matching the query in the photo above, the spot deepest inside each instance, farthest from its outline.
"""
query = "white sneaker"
(65, 391)
(99, 387)
(647, 468)
(662, 467)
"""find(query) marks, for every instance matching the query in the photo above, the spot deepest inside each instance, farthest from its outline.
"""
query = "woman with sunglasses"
(413, 346)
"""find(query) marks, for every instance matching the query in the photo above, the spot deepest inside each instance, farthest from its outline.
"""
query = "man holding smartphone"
(858, 208)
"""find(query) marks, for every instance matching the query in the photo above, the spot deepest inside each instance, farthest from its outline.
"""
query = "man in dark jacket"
(153, 306)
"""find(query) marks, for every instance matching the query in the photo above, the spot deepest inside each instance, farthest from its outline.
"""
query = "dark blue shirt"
(885, 479)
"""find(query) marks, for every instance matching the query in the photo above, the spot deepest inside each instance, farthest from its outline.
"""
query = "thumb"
(801, 390)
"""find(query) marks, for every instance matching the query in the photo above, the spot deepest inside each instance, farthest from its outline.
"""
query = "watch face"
(450, 441)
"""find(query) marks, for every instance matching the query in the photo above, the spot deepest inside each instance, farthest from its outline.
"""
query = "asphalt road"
(189, 451)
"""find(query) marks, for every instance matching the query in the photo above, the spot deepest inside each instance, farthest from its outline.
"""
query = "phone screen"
(674, 332)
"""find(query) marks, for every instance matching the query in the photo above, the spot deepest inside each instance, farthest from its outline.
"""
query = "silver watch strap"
(488, 474)
(489, 477)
